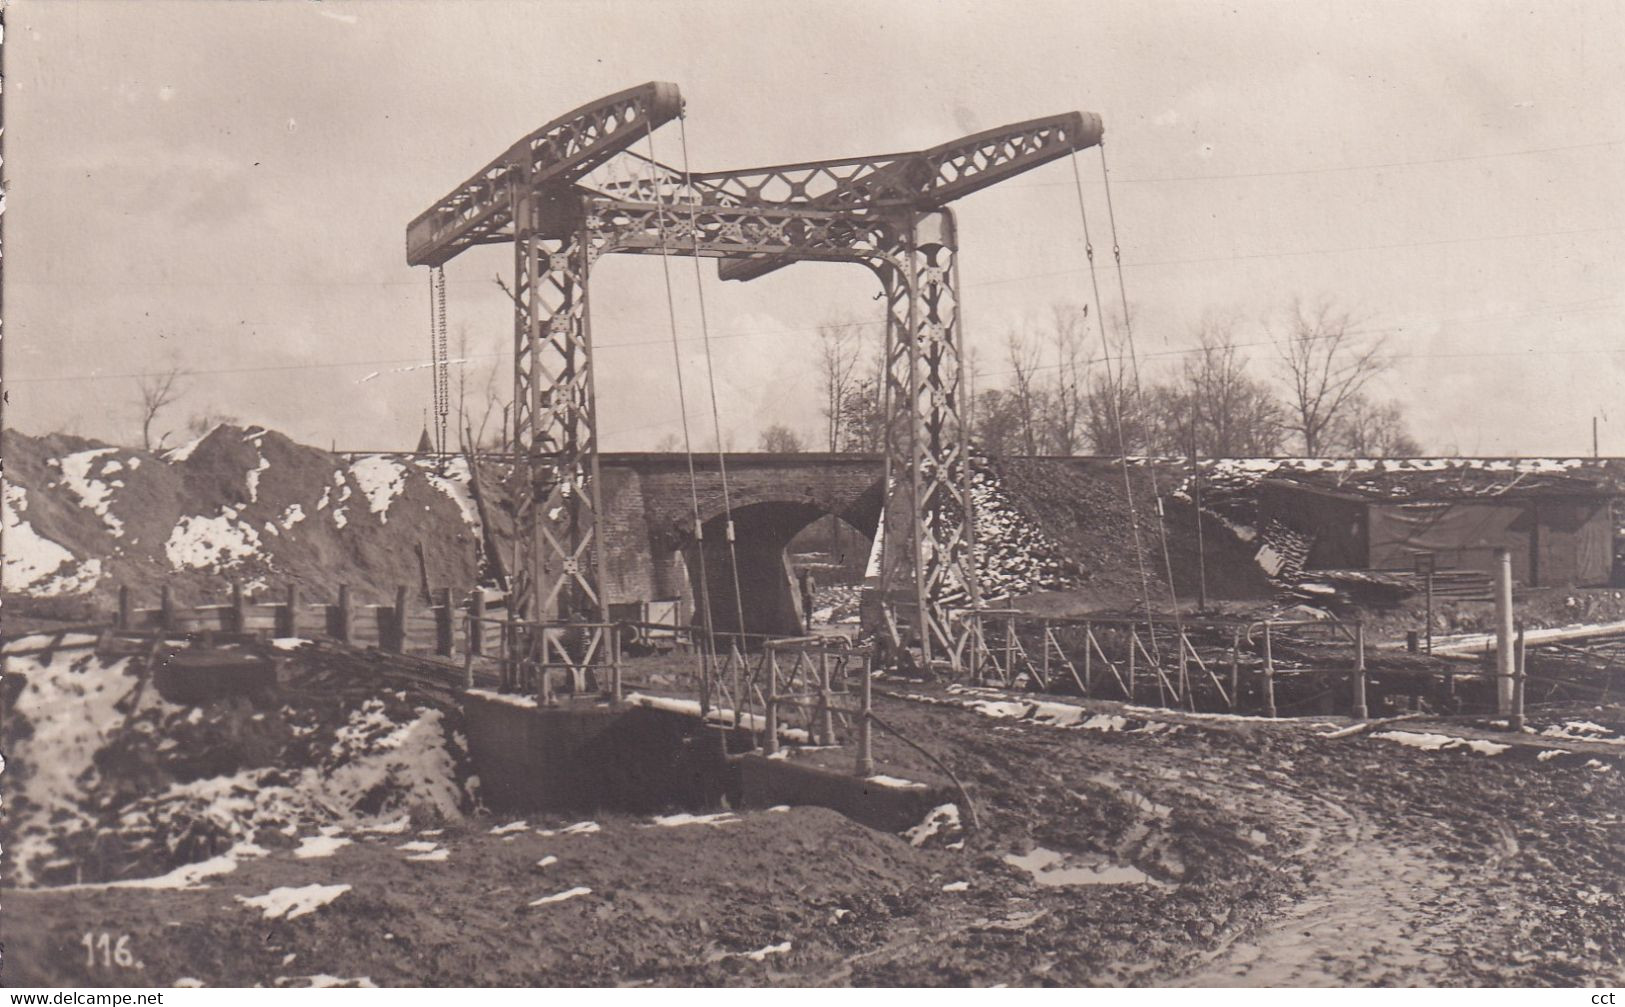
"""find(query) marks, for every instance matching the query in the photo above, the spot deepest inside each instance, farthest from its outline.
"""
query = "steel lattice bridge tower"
(575, 190)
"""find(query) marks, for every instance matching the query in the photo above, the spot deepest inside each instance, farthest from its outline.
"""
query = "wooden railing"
(1211, 663)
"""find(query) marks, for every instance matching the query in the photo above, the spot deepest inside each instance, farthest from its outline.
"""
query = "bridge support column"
(558, 564)
(927, 560)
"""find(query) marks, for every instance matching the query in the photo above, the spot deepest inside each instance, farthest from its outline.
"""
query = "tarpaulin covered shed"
(1559, 532)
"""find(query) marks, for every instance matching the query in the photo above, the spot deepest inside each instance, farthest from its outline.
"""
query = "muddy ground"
(1242, 852)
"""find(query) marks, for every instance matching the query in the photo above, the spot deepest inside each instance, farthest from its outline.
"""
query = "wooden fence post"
(1235, 669)
(239, 608)
(290, 616)
(1131, 691)
(770, 740)
(1361, 712)
(1521, 675)
(1269, 674)
(399, 626)
(166, 608)
(1088, 660)
(442, 623)
(476, 625)
(866, 757)
(615, 664)
(124, 606)
(341, 631)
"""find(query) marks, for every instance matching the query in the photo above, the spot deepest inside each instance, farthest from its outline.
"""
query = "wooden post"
(866, 757)
(1361, 712)
(615, 693)
(1516, 719)
(1429, 627)
(124, 606)
(1504, 632)
(239, 608)
(1235, 669)
(1009, 650)
(166, 608)
(826, 716)
(290, 617)
(1133, 692)
(1046, 654)
(345, 615)
(770, 740)
(399, 627)
(468, 652)
(1088, 660)
(443, 642)
(476, 625)
(1269, 674)
(1185, 668)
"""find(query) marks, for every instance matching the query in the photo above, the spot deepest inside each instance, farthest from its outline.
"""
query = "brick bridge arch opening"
(767, 594)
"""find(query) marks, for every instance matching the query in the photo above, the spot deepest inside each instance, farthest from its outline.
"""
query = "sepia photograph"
(811, 493)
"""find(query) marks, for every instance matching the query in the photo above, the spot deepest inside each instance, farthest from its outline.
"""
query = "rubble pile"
(1014, 555)
(109, 780)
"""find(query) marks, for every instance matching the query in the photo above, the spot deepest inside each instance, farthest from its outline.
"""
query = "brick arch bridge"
(647, 508)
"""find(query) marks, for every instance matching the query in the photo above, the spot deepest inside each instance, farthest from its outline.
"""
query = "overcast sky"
(225, 186)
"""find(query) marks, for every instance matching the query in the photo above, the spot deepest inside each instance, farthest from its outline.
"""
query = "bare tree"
(1326, 366)
(840, 349)
(158, 392)
(1231, 412)
(669, 443)
(1375, 430)
(998, 424)
(1068, 334)
(779, 439)
(1024, 362)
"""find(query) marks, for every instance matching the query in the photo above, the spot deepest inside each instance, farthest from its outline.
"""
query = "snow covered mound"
(248, 505)
(107, 780)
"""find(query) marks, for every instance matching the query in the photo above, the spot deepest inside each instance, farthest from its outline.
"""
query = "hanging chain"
(442, 365)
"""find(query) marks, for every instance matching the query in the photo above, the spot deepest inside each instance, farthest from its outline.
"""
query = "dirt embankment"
(1116, 846)
(245, 505)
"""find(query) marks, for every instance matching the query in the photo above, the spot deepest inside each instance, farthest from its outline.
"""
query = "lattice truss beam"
(575, 190)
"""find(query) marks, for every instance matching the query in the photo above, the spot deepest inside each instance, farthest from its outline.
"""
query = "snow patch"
(942, 817)
(292, 903)
(184, 452)
(1440, 742)
(29, 556)
(381, 479)
(572, 893)
(672, 821)
(432, 857)
(894, 783)
(578, 829)
(96, 495)
(314, 847)
(211, 543)
(453, 480)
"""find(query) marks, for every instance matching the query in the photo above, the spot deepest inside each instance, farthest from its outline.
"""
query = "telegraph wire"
(1575, 306)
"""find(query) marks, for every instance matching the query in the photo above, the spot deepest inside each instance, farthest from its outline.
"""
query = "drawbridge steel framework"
(575, 190)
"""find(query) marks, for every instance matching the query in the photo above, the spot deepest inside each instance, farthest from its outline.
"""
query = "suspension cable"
(1117, 404)
(708, 644)
(711, 379)
(1139, 393)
